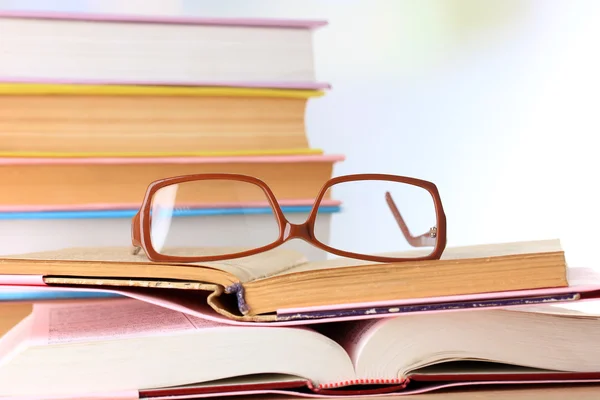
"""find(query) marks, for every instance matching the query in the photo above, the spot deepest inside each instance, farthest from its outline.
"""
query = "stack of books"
(96, 107)
(482, 316)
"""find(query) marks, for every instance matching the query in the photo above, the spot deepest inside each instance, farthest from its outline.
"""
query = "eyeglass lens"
(383, 209)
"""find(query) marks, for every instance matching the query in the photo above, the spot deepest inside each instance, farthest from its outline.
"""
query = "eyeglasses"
(372, 203)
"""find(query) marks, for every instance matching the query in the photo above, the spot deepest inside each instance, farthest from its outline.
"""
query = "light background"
(497, 102)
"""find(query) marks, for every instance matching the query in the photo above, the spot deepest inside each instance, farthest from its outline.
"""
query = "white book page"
(15, 340)
(108, 319)
(350, 335)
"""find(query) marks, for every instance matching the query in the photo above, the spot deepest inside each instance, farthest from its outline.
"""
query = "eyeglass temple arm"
(136, 243)
(426, 239)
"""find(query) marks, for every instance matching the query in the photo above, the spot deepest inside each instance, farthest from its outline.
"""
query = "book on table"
(65, 347)
(252, 288)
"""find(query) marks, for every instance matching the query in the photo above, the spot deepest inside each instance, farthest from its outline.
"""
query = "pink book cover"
(151, 19)
(170, 20)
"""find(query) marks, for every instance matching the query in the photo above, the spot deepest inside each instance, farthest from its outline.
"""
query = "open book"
(256, 287)
(65, 347)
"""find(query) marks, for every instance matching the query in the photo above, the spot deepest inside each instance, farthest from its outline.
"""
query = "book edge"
(174, 160)
(257, 285)
(170, 20)
(130, 213)
(299, 85)
(82, 155)
(10, 87)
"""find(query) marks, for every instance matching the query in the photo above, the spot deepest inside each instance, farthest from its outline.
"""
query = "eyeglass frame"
(140, 224)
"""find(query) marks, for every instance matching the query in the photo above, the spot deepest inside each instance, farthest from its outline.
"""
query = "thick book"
(45, 228)
(198, 301)
(254, 288)
(64, 347)
(118, 182)
(44, 120)
(96, 48)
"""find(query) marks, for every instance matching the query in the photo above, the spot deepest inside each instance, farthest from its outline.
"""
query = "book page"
(450, 253)
(350, 335)
(15, 340)
(245, 269)
(577, 309)
(263, 265)
(108, 319)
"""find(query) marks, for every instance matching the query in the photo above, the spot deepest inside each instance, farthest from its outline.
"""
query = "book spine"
(383, 386)
(238, 290)
(397, 381)
(391, 309)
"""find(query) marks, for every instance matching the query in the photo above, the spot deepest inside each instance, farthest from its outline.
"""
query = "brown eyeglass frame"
(140, 224)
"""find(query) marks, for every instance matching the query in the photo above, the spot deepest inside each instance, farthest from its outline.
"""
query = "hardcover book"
(45, 120)
(120, 182)
(91, 48)
(251, 288)
(46, 228)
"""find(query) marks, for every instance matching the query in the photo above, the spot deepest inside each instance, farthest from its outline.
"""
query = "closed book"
(95, 48)
(122, 181)
(51, 228)
(45, 120)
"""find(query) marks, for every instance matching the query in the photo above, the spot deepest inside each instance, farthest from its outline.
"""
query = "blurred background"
(495, 102)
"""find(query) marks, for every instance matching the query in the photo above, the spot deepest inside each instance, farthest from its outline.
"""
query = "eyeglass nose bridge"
(296, 231)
